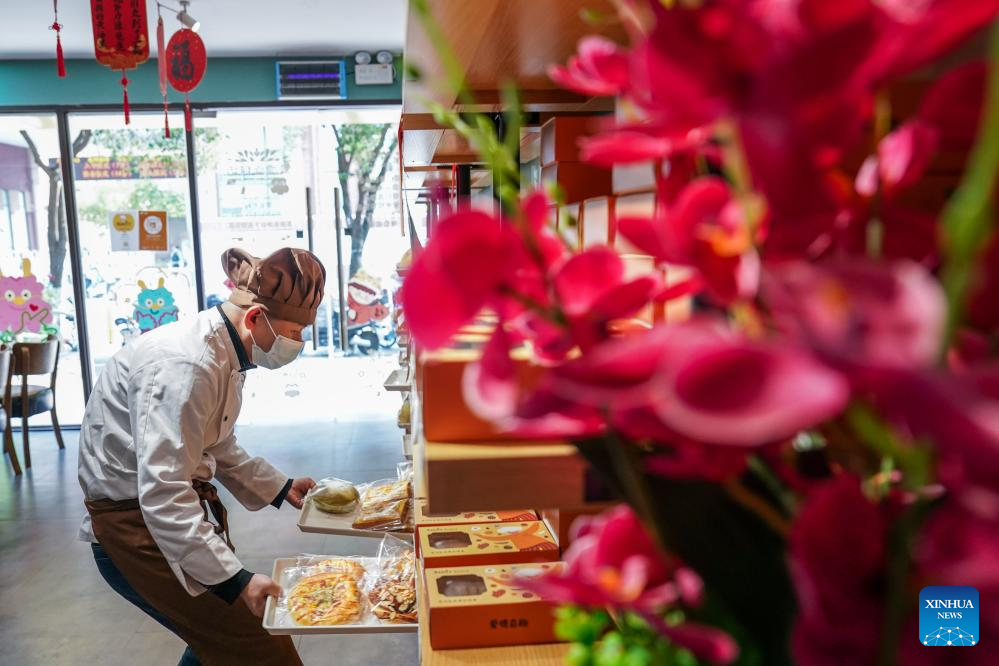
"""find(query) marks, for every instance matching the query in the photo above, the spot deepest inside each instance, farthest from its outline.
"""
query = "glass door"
(135, 228)
(263, 176)
(36, 290)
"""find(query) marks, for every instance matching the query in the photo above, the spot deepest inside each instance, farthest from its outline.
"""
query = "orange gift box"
(446, 416)
(482, 544)
(423, 517)
(486, 607)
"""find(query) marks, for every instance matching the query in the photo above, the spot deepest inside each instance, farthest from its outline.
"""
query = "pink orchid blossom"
(599, 69)
(882, 314)
(613, 563)
(902, 158)
(837, 562)
(706, 229)
(701, 383)
(476, 260)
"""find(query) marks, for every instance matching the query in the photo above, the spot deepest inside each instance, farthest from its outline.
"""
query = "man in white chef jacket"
(160, 425)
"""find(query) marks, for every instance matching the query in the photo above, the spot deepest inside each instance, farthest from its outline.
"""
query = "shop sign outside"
(133, 167)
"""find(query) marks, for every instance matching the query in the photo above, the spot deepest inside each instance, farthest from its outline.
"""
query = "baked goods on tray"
(335, 496)
(350, 568)
(387, 515)
(393, 594)
(386, 491)
(325, 599)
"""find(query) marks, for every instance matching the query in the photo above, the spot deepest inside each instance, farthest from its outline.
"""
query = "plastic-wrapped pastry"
(334, 496)
(381, 492)
(324, 599)
(385, 516)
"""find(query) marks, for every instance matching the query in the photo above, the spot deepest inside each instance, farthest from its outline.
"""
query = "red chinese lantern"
(60, 61)
(186, 64)
(121, 37)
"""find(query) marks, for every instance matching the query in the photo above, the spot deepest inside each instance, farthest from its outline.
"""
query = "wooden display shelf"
(496, 41)
(504, 475)
(518, 655)
(398, 380)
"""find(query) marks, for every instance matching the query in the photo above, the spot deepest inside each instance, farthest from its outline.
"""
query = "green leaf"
(968, 218)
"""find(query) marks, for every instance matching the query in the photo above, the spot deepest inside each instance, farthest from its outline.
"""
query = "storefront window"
(34, 251)
(254, 169)
(135, 229)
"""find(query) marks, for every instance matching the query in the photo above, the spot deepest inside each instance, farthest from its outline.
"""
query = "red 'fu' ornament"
(186, 64)
(121, 37)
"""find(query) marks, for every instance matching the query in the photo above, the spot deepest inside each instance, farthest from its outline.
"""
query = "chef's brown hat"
(287, 284)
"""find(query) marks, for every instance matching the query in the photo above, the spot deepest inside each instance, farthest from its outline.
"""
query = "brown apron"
(218, 633)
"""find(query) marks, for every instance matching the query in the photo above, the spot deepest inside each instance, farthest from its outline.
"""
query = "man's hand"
(299, 489)
(255, 594)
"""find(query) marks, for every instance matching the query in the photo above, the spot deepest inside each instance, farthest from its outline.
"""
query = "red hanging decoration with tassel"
(161, 63)
(124, 89)
(60, 60)
(121, 37)
(186, 65)
(188, 123)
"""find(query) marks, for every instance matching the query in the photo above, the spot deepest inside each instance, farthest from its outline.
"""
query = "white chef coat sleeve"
(168, 405)
(251, 479)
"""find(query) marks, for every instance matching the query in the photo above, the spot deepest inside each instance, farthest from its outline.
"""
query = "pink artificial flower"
(881, 314)
(959, 414)
(475, 260)
(837, 562)
(743, 393)
(625, 147)
(599, 69)
(702, 383)
(956, 124)
(457, 274)
(918, 33)
(613, 563)
(592, 292)
(705, 228)
(630, 144)
(902, 159)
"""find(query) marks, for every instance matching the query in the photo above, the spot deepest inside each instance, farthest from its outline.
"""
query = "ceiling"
(229, 27)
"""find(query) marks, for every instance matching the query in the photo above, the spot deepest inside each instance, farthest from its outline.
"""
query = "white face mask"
(283, 351)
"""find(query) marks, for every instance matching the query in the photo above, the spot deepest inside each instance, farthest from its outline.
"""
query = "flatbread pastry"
(350, 568)
(325, 599)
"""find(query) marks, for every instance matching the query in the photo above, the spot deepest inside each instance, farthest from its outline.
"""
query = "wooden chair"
(8, 447)
(26, 400)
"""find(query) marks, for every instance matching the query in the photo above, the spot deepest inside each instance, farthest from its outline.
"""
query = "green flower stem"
(628, 467)
(899, 604)
(967, 220)
(913, 461)
(787, 499)
(758, 507)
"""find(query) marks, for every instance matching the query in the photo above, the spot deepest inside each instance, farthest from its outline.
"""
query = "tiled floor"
(56, 610)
